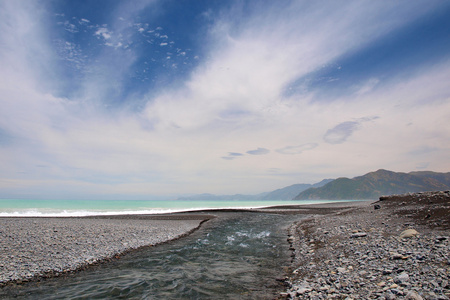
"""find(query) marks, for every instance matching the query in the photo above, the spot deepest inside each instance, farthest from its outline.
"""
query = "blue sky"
(144, 99)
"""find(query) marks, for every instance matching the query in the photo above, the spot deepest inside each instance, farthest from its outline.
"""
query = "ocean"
(79, 208)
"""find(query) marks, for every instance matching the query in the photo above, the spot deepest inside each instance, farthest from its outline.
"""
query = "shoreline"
(36, 248)
(339, 250)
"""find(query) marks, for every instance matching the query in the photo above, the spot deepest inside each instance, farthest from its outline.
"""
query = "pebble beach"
(34, 248)
(395, 248)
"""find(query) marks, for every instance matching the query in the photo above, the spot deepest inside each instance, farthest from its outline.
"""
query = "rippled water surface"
(236, 256)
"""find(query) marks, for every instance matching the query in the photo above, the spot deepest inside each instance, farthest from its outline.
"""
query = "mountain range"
(375, 184)
(286, 193)
(369, 186)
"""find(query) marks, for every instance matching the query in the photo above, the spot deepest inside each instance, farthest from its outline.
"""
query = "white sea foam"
(7, 208)
(84, 213)
(34, 212)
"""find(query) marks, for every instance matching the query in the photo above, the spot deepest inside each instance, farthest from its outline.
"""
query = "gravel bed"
(397, 248)
(41, 247)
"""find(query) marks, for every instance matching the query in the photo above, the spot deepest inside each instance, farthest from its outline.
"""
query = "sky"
(113, 99)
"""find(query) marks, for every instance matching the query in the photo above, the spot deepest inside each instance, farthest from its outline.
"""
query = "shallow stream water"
(235, 256)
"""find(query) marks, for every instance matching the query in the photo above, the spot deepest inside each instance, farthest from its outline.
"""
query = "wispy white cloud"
(367, 86)
(72, 28)
(104, 33)
(234, 100)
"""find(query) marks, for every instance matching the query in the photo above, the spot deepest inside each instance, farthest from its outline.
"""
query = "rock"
(403, 277)
(358, 234)
(397, 292)
(408, 233)
(393, 286)
(396, 256)
(390, 296)
(303, 290)
(413, 296)
(377, 206)
(420, 257)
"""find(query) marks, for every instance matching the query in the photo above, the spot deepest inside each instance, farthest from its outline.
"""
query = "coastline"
(338, 250)
(35, 248)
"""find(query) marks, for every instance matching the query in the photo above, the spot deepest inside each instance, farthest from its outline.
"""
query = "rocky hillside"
(375, 184)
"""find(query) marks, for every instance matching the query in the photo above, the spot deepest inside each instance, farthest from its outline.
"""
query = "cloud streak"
(259, 151)
(340, 132)
(119, 130)
(297, 149)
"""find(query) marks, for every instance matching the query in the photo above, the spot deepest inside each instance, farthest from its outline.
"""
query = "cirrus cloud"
(110, 114)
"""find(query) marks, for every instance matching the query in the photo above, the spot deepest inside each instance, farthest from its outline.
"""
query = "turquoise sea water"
(62, 208)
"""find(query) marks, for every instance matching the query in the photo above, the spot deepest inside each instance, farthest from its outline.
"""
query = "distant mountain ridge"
(369, 186)
(286, 193)
(375, 184)
(289, 192)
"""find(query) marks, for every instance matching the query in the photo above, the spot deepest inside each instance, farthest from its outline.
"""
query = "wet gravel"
(42, 247)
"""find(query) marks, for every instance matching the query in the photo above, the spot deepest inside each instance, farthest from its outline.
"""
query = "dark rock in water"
(376, 206)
